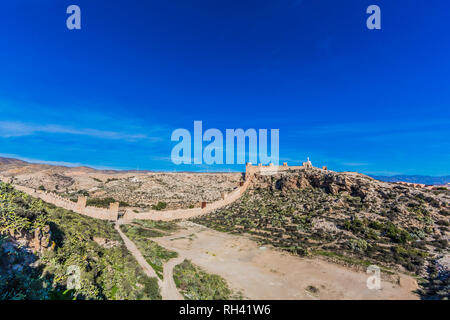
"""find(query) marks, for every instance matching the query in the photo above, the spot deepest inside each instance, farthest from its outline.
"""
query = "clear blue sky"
(110, 94)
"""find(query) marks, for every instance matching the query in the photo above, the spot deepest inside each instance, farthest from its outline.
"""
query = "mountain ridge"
(428, 180)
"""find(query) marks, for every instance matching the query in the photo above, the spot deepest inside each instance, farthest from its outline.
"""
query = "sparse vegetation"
(358, 223)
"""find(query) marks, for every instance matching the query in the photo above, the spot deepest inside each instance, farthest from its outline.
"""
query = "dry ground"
(265, 273)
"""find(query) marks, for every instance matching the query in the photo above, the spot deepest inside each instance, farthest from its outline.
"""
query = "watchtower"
(114, 210)
(307, 164)
(81, 204)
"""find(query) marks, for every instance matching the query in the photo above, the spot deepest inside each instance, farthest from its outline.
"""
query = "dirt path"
(137, 254)
(168, 288)
(265, 273)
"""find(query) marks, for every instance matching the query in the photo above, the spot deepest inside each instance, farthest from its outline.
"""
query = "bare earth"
(264, 273)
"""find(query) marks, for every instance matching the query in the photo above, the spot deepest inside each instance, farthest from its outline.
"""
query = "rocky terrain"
(350, 218)
(137, 189)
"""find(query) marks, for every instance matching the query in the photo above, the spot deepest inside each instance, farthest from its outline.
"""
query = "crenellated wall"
(188, 213)
(113, 212)
(251, 170)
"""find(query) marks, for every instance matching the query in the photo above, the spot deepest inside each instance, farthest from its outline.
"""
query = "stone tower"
(307, 164)
(81, 204)
(114, 210)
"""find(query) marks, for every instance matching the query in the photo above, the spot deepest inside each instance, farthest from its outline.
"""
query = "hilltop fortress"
(251, 170)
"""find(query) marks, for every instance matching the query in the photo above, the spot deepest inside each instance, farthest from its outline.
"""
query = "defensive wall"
(113, 212)
(189, 213)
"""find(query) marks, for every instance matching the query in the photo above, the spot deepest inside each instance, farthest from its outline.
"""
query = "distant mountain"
(415, 179)
(11, 161)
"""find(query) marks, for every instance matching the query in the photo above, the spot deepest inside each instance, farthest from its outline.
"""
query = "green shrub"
(396, 234)
(159, 206)
(196, 284)
(104, 203)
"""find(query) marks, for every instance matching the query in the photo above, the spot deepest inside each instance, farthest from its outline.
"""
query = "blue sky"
(110, 95)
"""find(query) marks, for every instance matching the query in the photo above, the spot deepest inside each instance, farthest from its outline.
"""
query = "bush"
(159, 206)
(443, 223)
(104, 203)
(396, 234)
(195, 284)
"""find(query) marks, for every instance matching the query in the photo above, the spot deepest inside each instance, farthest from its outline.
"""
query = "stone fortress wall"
(112, 213)
(189, 213)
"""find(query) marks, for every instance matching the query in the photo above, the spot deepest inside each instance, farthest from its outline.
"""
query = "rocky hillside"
(350, 218)
(138, 189)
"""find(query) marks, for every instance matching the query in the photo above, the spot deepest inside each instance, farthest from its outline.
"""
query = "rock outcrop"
(37, 241)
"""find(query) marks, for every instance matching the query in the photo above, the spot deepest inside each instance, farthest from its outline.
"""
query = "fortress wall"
(260, 169)
(188, 213)
(79, 207)
(112, 213)
(99, 213)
